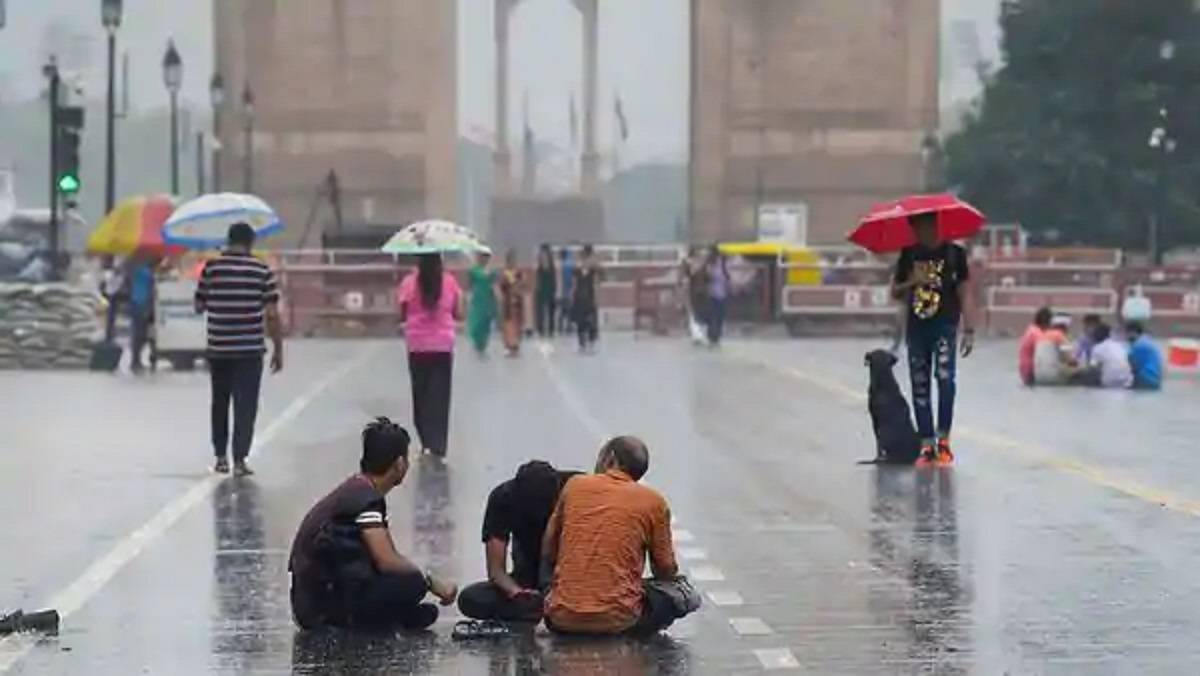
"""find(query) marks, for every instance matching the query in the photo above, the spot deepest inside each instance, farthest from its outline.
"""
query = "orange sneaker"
(944, 455)
(928, 455)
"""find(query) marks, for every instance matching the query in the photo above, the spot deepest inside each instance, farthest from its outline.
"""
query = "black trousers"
(658, 614)
(236, 380)
(587, 324)
(544, 314)
(430, 373)
(139, 324)
(485, 601)
(387, 601)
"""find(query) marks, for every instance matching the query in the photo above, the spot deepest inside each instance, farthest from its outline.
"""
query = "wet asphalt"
(1063, 541)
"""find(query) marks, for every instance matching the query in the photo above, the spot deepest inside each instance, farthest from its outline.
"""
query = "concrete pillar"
(502, 157)
(590, 169)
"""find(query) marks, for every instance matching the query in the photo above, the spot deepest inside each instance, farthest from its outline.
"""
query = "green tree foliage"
(1059, 139)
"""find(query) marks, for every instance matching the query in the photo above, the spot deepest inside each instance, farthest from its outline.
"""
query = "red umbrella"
(886, 229)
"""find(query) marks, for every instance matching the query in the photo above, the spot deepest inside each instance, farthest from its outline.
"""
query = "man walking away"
(240, 295)
(545, 292)
(596, 546)
(566, 278)
(344, 566)
(716, 273)
(141, 308)
(516, 514)
(933, 279)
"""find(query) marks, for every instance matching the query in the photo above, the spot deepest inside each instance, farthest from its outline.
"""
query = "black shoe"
(240, 468)
(222, 466)
(421, 618)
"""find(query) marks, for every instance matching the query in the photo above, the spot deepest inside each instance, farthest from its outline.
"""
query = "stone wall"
(824, 102)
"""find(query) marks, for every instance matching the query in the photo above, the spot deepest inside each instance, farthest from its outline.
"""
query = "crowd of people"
(1097, 357)
(579, 544)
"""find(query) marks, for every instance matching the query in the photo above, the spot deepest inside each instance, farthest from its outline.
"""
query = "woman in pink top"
(1028, 346)
(430, 303)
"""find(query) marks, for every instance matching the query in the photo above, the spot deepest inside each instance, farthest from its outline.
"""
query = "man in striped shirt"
(241, 297)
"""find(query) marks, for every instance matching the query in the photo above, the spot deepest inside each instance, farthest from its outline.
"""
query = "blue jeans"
(716, 319)
(932, 354)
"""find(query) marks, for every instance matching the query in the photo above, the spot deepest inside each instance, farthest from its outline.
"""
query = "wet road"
(1063, 542)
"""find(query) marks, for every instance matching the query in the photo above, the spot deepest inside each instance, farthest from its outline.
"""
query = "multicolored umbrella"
(135, 228)
(203, 223)
(886, 228)
(433, 236)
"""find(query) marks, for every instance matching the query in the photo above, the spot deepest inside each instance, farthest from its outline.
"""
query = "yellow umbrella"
(134, 227)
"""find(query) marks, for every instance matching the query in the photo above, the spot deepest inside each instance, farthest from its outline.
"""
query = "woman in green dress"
(482, 313)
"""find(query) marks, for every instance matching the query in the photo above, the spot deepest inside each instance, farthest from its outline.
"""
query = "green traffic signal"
(68, 184)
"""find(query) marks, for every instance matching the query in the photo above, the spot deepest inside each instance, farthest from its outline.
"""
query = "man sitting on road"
(1109, 367)
(596, 546)
(1145, 358)
(1053, 358)
(517, 512)
(345, 568)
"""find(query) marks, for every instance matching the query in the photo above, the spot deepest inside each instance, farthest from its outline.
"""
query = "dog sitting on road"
(896, 440)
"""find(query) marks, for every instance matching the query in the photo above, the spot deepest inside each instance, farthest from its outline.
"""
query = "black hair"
(429, 278)
(1102, 332)
(922, 218)
(1134, 328)
(564, 253)
(631, 455)
(1091, 319)
(545, 258)
(384, 442)
(240, 234)
(1043, 317)
(587, 250)
(536, 487)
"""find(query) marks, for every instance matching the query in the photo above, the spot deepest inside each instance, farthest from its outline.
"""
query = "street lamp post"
(216, 93)
(248, 154)
(1164, 144)
(110, 16)
(173, 79)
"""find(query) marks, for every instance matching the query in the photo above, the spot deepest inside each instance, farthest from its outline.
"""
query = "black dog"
(896, 440)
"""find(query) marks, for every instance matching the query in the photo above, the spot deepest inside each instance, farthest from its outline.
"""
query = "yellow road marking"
(1027, 451)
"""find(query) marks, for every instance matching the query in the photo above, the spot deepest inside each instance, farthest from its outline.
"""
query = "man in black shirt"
(345, 568)
(517, 512)
(933, 280)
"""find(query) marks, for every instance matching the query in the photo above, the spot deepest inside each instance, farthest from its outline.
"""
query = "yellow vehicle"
(807, 273)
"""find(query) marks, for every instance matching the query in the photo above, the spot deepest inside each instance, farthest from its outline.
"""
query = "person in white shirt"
(1052, 362)
(1110, 361)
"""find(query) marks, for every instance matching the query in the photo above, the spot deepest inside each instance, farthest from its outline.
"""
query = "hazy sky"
(643, 55)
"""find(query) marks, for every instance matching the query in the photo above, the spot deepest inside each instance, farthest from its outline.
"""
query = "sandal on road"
(467, 630)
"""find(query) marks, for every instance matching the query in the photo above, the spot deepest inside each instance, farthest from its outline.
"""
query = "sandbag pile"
(47, 326)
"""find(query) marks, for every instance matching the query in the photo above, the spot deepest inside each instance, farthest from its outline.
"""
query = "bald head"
(626, 453)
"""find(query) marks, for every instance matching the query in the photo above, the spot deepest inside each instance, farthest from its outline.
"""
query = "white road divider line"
(750, 626)
(707, 574)
(725, 598)
(681, 535)
(777, 658)
(693, 554)
(97, 575)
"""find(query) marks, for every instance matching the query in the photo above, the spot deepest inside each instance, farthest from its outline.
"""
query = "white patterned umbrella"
(433, 236)
(203, 223)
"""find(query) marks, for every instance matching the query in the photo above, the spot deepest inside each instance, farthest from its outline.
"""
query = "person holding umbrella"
(933, 280)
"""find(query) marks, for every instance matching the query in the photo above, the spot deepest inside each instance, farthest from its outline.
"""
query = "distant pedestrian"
(1145, 358)
(566, 274)
(512, 304)
(141, 309)
(241, 297)
(481, 314)
(583, 299)
(717, 287)
(1027, 348)
(430, 303)
(933, 279)
(545, 292)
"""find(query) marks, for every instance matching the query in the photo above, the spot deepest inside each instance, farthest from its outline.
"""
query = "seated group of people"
(579, 545)
(1098, 358)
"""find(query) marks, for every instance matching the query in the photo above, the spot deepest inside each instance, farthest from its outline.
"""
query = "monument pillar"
(502, 156)
(590, 161)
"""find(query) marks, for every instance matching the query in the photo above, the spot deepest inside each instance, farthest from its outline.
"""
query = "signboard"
(785, 222)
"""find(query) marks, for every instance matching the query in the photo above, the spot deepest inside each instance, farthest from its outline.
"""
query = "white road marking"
(725, 597)
(750, 626)
(777, 658)
(94, 578)
(683, 536)
(707, 574)
(693, 554)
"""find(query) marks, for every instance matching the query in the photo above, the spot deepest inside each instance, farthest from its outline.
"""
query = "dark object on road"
(473, 629)
(106, 356)
(44, 621)
(896, 440)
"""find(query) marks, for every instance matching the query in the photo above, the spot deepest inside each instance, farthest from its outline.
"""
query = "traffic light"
(70, 120)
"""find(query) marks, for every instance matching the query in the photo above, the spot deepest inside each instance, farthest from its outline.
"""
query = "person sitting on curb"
(1145, 358)
(595, 549)
(517, 512)
(345, 568)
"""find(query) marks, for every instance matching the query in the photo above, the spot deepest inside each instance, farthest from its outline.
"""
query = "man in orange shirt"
(596, 545)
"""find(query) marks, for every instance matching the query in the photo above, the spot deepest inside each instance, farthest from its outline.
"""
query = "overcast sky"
(643, 56)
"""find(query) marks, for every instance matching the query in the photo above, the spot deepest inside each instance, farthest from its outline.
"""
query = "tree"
(1059, 139)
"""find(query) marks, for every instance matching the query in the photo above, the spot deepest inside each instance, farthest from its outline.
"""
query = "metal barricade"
(847, 292)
